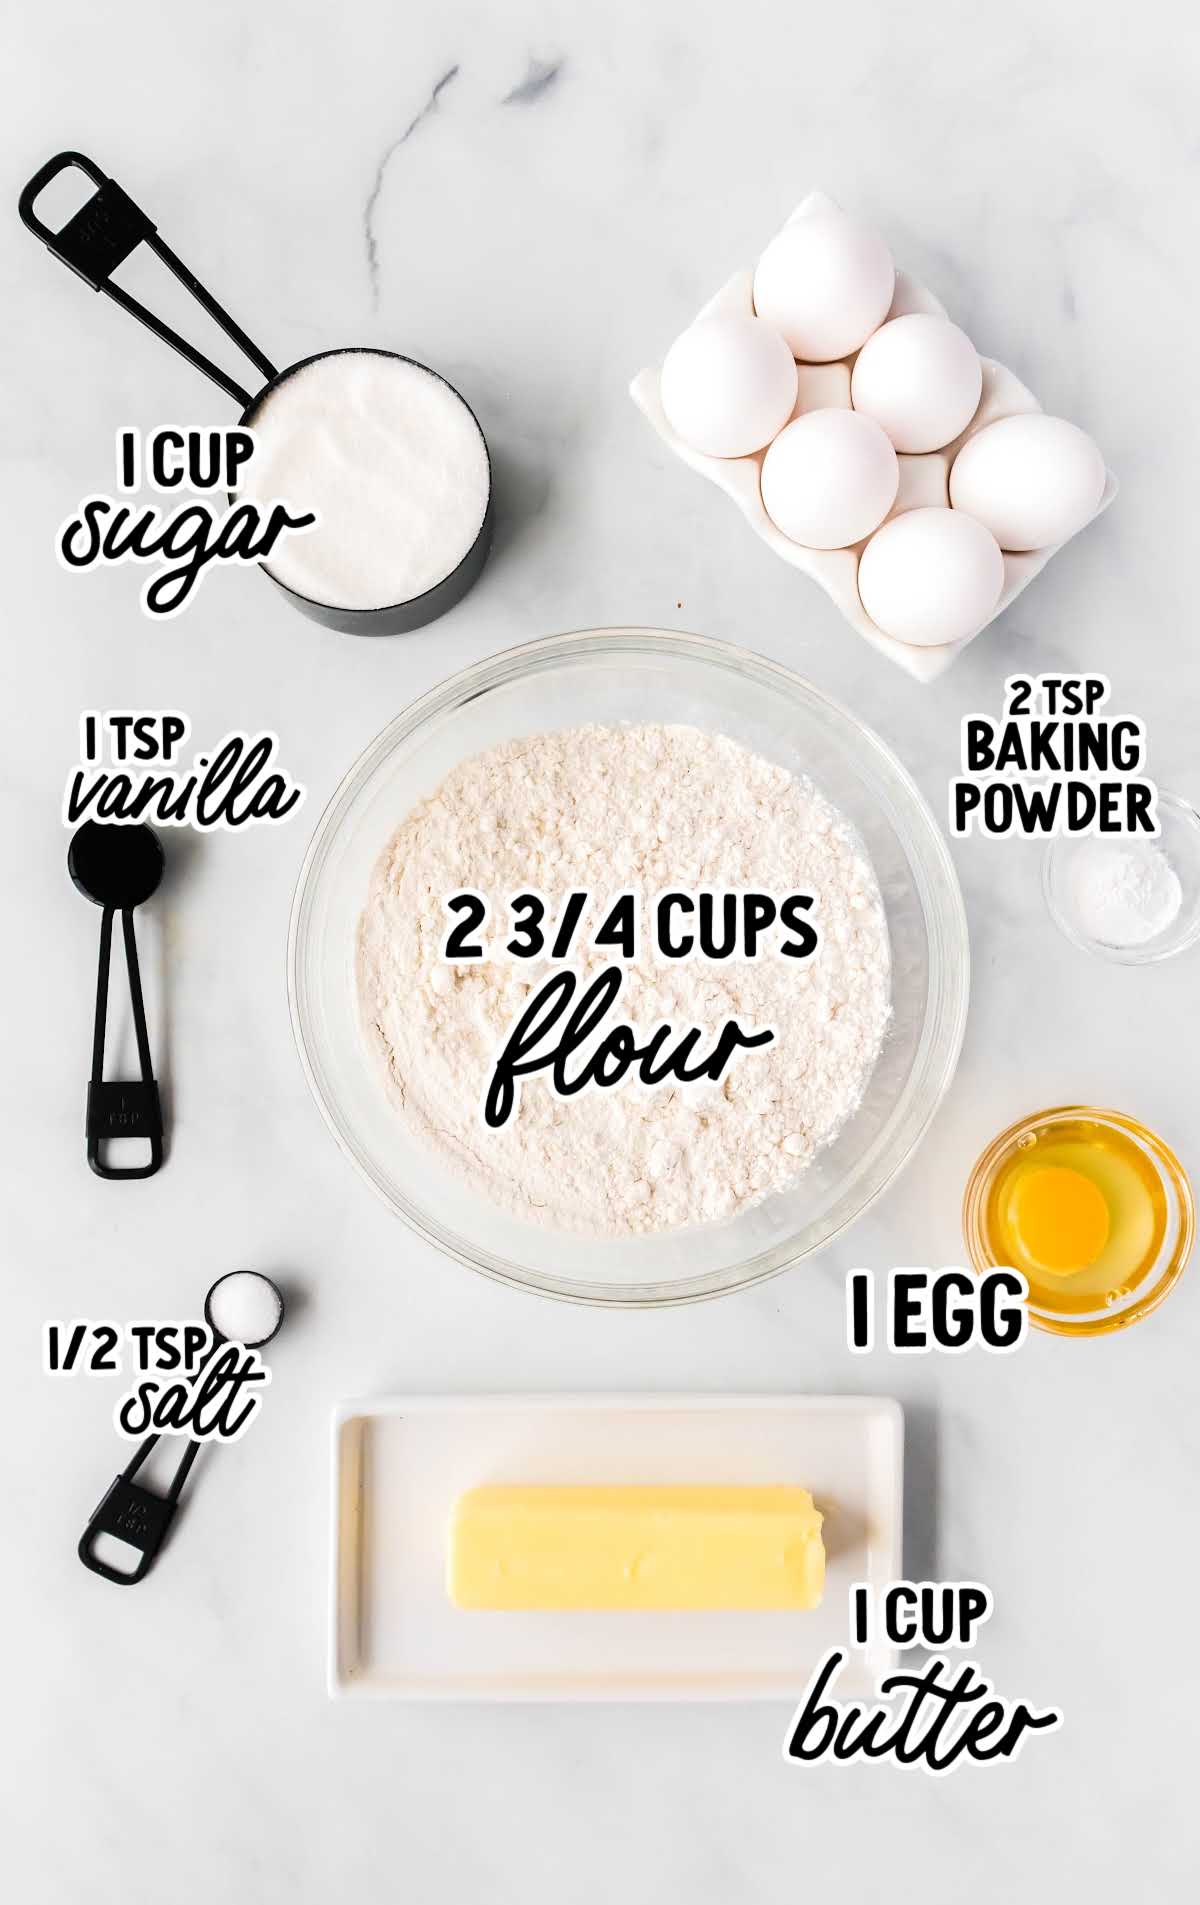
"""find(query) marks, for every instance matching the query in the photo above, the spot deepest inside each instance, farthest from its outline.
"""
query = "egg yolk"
(1060, 1219)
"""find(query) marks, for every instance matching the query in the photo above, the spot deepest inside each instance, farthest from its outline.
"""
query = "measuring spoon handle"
(135, 1515)
(101, 235)
(129, 1108)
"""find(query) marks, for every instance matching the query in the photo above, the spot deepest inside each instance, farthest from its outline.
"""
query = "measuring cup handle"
(122, 1108)
(101, 235)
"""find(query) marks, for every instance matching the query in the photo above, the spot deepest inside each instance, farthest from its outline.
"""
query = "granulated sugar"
(606, 809)
(394, 465)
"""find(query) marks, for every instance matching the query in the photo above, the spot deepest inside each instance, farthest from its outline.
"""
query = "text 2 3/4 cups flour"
(609, 809)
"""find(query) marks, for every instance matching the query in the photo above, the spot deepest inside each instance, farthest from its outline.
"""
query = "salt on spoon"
(244, 1307)
(385, 451)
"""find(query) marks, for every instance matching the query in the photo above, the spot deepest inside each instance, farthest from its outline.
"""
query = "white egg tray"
(924, 480)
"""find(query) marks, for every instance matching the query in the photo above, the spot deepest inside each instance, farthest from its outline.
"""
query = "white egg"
(829, 479)
(1034, 480)
(920, 377)
(931, 576)
(728, 384)
(826, 282)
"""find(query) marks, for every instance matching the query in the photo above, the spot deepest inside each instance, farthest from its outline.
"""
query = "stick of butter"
(635, 1548)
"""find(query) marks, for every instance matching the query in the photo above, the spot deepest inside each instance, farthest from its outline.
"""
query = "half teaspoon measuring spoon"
(118, 868)
(139, 1516)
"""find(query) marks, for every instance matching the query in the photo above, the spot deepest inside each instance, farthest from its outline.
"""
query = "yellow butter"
(635, 1547)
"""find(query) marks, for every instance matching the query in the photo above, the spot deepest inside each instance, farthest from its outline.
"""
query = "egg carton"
(924, 480)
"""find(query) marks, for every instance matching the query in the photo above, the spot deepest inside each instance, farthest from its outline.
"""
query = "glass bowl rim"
(936, 885)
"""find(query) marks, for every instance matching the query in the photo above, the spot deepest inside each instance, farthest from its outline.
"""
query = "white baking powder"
(1122, 892)
(606, 809)
(394, 465)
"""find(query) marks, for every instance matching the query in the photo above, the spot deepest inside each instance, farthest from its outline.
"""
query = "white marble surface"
(533, 198)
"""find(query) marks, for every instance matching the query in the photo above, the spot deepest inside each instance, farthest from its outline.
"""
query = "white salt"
(394, 465)
(244, 1307)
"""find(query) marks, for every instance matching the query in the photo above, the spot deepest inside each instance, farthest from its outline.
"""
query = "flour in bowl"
(608, 809)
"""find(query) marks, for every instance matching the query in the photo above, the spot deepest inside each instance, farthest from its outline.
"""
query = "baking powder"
(609, 809)
(1123, 892)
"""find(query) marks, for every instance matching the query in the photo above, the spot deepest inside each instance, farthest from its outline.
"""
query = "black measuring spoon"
(118, 868)
(99, 237)
(139, 1516)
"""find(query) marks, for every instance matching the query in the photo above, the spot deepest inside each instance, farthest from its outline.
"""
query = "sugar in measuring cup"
(388, 454)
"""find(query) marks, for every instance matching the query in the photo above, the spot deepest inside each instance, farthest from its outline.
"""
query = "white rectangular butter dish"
(399, 1465)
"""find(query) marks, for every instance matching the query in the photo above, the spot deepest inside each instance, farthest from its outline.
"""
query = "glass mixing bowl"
(623, 675)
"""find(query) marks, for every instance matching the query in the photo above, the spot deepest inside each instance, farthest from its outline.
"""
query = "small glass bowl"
(1179, 839)
(1178, 1238)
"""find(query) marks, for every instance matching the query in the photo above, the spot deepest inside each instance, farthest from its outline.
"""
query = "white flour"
(608, 808)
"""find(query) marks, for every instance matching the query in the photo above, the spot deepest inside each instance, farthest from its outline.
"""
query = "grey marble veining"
(539, 77)
(363, 174)
(377, 183)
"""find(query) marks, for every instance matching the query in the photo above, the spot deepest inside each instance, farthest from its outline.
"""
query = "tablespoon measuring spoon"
(139, 1516)
(118, 868)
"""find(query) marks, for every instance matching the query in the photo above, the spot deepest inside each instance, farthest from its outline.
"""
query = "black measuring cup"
(99, 237)
(118, 868)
